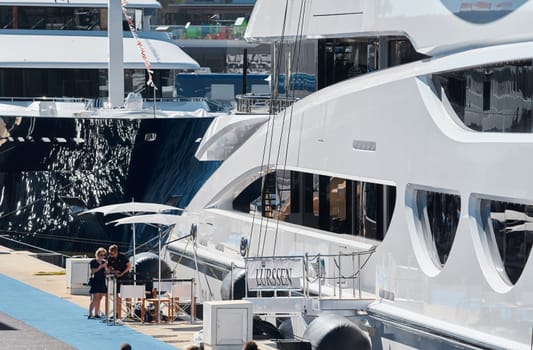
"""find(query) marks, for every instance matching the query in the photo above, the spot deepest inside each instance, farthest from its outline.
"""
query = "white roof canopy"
(73, 50)
(131, 207)
(80, 3)
(156, 219)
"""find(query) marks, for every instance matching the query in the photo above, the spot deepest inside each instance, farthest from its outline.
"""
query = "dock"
(38, 312)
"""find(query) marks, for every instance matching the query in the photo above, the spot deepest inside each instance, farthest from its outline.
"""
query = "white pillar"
(115, 67)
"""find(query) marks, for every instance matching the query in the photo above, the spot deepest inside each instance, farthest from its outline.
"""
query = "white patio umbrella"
(132, 208)
(154, 219)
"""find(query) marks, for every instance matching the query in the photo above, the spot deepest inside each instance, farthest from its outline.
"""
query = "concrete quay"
(21, 270)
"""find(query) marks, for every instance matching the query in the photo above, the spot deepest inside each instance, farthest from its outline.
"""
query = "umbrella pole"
(134, 257)
(159, 279)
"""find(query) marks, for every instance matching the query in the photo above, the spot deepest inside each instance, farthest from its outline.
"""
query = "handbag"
(91, 281)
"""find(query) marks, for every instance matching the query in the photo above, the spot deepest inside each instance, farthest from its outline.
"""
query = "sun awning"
(156, 219)
(88, 50)
(81, 3)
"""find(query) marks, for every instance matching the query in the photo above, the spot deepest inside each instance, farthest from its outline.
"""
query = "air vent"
(360, 145)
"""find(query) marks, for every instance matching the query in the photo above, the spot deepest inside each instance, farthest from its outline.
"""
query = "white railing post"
(340, 277)
(359, 273)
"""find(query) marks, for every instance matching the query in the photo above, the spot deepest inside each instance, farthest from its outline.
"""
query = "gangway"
(286, 286)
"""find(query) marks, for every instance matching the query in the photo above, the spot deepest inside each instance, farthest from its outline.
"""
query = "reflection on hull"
(52, 168)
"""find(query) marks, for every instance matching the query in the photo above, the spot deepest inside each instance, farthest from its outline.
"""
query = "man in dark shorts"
(120, 265)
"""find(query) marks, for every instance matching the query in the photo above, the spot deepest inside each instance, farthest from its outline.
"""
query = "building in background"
(211, 31)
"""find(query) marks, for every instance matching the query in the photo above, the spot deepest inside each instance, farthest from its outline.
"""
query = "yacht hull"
(53, 168)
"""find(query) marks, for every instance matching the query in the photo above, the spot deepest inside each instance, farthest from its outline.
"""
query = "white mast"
(116, 54)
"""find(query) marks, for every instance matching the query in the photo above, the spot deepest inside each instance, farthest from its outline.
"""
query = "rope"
(269, 136)
(296, 62)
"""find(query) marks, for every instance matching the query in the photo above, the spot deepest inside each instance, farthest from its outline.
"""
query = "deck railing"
(261, 104)
(338, 273)
(202, 32)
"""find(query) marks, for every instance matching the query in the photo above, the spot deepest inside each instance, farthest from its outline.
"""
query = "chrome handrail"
(321, 274)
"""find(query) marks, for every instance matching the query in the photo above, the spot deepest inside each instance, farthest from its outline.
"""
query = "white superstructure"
(425, 160)
(62, 49)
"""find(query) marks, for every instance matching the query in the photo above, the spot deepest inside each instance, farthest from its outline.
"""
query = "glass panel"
(510, 229)
(311, 200)
(495, 98)
(327, 203)
(337, 205)
(248, 200)
(401, 51)
(370, 210)
(439, 215)
(283, 185)
(301, 61)
(52, 18)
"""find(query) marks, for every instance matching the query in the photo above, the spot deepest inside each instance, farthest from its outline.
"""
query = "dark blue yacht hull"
(53, 168)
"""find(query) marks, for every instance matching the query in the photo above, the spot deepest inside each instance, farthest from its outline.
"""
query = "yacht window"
(52, 18)
(509, 230)
(87, 83)
(328, 203)
(495, 98)
(401, 51)
(301, 60)
(249, 199)
(341, 59)
(439, 215)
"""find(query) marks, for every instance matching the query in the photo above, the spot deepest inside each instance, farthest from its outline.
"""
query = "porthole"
(436, 218)
(506, 236)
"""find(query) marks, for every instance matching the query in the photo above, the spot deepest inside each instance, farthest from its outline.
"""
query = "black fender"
(264, 330)
(334, 332)
(147, 268)
(235, 278)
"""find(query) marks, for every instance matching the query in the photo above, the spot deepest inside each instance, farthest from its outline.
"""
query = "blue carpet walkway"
(66, 322)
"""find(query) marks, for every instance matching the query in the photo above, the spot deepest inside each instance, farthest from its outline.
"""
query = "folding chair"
(162, 288)
(131, 294)
(182, 293)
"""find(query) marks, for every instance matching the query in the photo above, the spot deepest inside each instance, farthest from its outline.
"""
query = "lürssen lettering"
(273, 277)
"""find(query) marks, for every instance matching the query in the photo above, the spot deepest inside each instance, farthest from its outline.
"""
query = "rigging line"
(297, 50)
(71, 239)
(263, 173)
(57, 237)
(273, 117)
(267, 153)
(181, 255)
(31, 127)
(33, 246)
(195, 255)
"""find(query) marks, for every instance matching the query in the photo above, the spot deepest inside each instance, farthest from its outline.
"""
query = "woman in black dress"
(98, 286)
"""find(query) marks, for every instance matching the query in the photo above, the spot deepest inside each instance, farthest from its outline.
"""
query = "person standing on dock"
(120, 265)
(97, 282)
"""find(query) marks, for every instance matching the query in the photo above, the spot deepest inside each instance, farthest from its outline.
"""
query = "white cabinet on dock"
(78, 273)
(227, 324)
